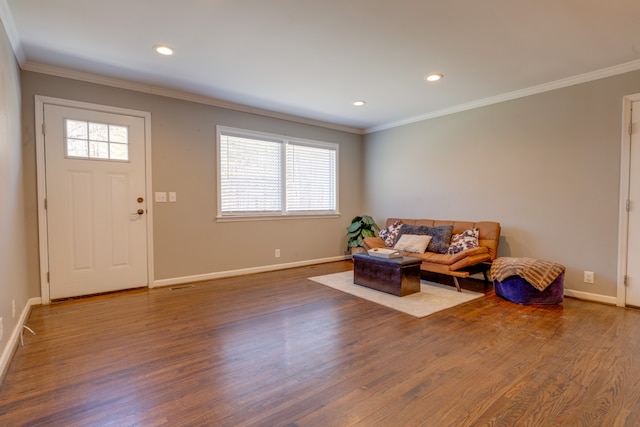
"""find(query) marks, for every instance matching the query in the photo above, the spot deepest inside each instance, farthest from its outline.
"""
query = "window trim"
(282, 139)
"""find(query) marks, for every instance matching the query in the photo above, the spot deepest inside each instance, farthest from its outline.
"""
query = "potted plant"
(361, 227)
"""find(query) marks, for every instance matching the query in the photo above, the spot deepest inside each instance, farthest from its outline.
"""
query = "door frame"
(623, 216)
(43, 241)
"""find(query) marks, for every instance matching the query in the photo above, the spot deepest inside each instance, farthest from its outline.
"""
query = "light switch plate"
(161, 196)
(172, 197)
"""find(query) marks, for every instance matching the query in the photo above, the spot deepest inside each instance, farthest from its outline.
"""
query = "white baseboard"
(587, 296)
(242, 272)
(14, 339)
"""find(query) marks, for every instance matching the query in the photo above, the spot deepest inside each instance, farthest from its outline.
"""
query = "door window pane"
(96, 141)
(77, 148)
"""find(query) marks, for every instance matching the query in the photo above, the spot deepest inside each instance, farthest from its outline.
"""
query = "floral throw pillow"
(390, 233)
(468, 239)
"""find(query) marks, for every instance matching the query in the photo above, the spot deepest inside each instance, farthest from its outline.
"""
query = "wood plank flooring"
(276, 349)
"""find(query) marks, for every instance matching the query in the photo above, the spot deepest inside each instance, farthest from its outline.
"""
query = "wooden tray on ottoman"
(395, 276)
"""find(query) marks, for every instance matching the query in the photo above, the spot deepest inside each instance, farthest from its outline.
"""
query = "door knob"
(140, 211)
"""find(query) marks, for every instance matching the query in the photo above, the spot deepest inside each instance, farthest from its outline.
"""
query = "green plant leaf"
(368, 220)
(360, 228)
(354, 227)
(368, 233)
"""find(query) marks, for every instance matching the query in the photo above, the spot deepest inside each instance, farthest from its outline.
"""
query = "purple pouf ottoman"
(518, 290)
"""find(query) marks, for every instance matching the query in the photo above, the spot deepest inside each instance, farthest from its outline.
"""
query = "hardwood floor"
(276, 349)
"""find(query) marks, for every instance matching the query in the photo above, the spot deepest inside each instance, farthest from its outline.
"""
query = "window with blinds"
(270, 175)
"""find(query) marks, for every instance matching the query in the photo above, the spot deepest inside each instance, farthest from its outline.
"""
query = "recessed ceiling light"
(359, 103)
(433, 77)
(163, 50)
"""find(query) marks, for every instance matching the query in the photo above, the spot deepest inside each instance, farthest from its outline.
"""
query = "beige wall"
(187, 239)
(547, 167)
(15, 264)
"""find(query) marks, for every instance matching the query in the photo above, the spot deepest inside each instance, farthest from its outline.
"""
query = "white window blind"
(270, 175)
(311, 179)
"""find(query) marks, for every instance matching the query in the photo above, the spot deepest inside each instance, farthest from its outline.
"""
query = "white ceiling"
(313, 58)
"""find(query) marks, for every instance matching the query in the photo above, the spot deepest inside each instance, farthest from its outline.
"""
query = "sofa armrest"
(482, 250)
(373, 242)
(471, 260)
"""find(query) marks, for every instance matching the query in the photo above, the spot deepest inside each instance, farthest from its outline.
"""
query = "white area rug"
(432, 297)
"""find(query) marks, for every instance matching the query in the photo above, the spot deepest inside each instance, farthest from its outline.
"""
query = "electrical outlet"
(588, 277)
(277, 253)
(13, 309)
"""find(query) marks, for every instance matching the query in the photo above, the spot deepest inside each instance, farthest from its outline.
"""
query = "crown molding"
(187, 96)
(67, 73)
(12, 32)
(533, 90)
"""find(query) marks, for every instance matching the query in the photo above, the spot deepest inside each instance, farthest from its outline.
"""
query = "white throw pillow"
(412, 243)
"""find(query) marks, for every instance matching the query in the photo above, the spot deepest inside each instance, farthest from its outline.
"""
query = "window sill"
(245, 218)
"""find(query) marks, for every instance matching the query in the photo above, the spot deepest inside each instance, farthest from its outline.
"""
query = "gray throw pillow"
(440, 236)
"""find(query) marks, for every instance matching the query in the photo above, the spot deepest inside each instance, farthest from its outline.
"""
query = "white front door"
(633, 238)
(95, 201)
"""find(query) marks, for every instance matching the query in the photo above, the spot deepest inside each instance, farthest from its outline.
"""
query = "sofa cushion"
(412, 243)
(390, 234)
(440, 236)
(468, 239)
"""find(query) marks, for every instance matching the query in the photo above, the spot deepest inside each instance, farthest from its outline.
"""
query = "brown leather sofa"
(462, 264)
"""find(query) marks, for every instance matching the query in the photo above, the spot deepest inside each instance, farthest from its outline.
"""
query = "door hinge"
(46, 205)
(43, 129)
(625, 280)
(628, 205)
(49, 281)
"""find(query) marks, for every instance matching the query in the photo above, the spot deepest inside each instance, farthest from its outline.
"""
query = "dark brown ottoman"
(396, 276)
